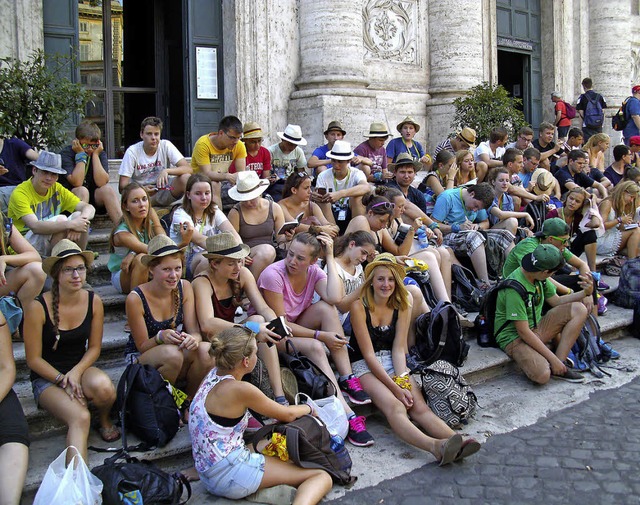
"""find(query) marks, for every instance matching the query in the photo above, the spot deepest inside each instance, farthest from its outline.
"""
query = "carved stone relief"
(635, 65)
(390, 31)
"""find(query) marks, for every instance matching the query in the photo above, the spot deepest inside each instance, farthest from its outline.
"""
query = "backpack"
(309, 446)
(147, 404)
(312, 381)
(447, 393)
(167, 219)
(619, 120)
(439, 336)
(464, 290)
(635, 327)
(422, 279)
(629, 286)
(484, 323)
(570, 110)
(593, 113)
(588, 353)
(538, 211)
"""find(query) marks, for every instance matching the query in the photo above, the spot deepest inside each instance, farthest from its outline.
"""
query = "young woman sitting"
(197, 219)
(288, 287)
(129, 238)
(62, 339)
(162, 317)
(441, 177)
(381, 320)
(619, 211)
(502, 213)
(219, 291)
(219, 418)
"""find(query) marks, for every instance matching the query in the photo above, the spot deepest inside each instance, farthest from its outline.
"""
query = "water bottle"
(483, 337)
(423, 241)
(337, 443)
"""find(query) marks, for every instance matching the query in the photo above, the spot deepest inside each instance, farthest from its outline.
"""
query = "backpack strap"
(524, 294)
(442, 305)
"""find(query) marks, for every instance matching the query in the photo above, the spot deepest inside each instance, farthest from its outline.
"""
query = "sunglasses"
(384, 205)
(92, 146)
(563, 241)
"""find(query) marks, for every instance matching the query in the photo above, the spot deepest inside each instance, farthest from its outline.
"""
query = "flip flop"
(109, 434)
(469, 446)
(450, 449)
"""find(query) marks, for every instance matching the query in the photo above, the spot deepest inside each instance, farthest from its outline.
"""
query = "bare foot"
(191, 474)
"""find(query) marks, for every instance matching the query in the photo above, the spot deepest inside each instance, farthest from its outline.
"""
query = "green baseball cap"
(555, 227)
(544, 257)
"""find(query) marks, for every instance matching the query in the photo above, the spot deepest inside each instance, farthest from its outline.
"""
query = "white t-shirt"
(206, 228)
(483, 148)
(143, 168)
(327, 180)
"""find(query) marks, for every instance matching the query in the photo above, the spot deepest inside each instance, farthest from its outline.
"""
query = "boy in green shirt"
(527, 334)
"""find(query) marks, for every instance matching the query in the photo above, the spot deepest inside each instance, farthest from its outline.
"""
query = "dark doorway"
(513, 72)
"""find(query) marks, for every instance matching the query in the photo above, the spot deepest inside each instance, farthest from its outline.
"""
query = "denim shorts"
(360, 367)
(115, 280)
(236, 476)
(38, 386)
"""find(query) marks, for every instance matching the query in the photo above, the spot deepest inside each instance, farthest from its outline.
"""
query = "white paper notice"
(207, 73)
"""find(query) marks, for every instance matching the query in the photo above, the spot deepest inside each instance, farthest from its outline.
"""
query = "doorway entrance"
(513, 74)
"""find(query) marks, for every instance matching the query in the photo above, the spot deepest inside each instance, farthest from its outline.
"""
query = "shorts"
(13, 424)
(115, 280)
(5, 195)
(360, 367)
(236, 476)
(38, 386)
(562, 131)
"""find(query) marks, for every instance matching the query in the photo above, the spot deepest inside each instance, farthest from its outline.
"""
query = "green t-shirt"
(524, 247)
(511, 307)
(115, 260)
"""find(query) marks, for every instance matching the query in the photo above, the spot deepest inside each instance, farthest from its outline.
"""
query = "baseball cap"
(553, 227)
(544, 257)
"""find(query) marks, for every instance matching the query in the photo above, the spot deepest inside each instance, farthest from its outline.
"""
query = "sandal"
(109, 434)
(469, 446)
(450, 449)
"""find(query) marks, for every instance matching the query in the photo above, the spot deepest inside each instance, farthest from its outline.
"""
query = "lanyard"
(416, 156)
(335, 185)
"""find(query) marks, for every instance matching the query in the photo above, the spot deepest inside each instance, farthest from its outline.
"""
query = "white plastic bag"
(69, 485)
(331, 412)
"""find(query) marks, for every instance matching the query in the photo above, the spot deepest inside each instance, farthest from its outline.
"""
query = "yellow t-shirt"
(24, 200)
(205, 153)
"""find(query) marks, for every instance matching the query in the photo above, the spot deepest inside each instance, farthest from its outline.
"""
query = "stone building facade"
(310, 62)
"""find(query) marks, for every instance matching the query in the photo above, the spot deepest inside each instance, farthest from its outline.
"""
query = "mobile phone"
(278, 326)
(322, 191)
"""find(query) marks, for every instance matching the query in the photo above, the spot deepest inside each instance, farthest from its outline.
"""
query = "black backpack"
(538, 211)
(484, 323)
(619, 120)
(309, 446)
(439, 337)
(593, 113)
(148, 406)
(464, 289)
(423, 280)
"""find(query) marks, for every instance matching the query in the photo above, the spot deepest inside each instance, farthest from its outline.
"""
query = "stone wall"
(21, 28)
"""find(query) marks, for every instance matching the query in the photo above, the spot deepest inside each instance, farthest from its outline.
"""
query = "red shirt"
(258, 163)
(564, 120)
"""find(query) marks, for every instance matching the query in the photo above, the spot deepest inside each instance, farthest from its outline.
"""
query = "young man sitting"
(36, 207)
(527, 333)
(87, 170)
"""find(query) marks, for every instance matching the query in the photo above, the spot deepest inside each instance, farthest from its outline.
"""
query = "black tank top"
(381, 337)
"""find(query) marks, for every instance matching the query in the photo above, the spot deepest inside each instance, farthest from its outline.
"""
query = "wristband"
(59, 378)
(81, 157)
(316, 334)
(159, 339)
(455, 228)
(252, 326)
(570, 291)
(310, 409)
(433, 226)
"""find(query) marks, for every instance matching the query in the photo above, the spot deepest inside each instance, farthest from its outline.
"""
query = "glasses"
(74, 270)
(562, 241)
(232, 137)
(384, 205)
(90, 146)
(303, 175)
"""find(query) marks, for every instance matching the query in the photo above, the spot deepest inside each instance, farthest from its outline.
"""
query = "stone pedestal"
(21, 27)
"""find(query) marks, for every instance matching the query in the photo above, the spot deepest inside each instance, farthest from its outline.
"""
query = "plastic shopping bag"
(330, 411)
(69, 485)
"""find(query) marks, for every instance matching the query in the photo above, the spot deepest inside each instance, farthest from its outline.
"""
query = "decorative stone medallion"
(390, 30)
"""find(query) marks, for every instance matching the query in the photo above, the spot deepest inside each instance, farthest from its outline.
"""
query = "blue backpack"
(628, 291)
(593, 113)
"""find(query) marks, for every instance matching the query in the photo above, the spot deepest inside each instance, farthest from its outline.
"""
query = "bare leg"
(99, 389)
(82, 193)
(357, 209)
(179, 185)
(269, 355)
(138, 274)
(195, 367)
(106, 197)
(167, 359)
(479, 261)
(428, 256)
(263, 255)
(14, 459)
(327, 212)
(26, 281)
(312, 484)
(631, 240)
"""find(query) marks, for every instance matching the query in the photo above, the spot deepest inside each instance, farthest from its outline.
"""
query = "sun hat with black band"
(335, 125)
(160, 246)
(553, 227)
(293, 133)
(65, 249)
(544, 257)
(252, 130)
(409, 120)
(341, 150)
(543, 181)
(378, 130)
(225, 245)
(248, 186)
(385, 260)
(468, 135)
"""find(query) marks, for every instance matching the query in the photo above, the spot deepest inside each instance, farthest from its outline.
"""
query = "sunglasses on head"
(384, 205)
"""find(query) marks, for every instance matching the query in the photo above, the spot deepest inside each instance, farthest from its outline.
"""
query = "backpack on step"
(147, 404)
(593, 113)
(570, 110)
(619, 120)
(464, 290)
(538, 212)
(422, 277)
(309, 446)
(484, 323)
(447, 393)
(439, 337)
(629, 286)
(588, 353)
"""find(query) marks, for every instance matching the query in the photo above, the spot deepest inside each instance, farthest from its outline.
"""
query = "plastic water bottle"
(337, 443)
(483, 337)
(423, 241)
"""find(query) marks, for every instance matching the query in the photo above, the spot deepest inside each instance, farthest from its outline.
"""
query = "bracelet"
(252, 326)
(316, 334)
(159, 339)
(570, 291)
(58, 378)
(450, 180)
(81, 157)
(455, 228)
(433, 226)
(310, 409)
(619, 220)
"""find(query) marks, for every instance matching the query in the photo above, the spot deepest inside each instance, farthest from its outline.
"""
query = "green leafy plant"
(36, 99)
(485, 107)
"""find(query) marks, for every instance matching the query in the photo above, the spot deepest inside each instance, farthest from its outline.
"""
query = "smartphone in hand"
(278, 325)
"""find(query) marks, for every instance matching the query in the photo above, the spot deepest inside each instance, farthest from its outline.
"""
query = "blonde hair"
(461, 155)
(147, 223)
(231, 346)
(399, 299)
(617, 198)
(594, 140)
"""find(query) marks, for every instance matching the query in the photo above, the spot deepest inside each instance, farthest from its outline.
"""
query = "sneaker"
(353, 389)
(253, 425)
(574, 362)
(358, 434)
(570, 376)
(603, 286)
(606, 345)
(602, 305)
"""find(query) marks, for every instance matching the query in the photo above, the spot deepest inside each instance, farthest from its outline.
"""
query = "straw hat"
(341, 150)
(50, 162)
(293, 133)
(225, 245)
(378, 130)
(65, 249)
(248, 186)
(385, 260)
(468, 135)
(405, 159)
(252, 130)
(542, 181)
(335, 125)
(409, 120)
(160, 246)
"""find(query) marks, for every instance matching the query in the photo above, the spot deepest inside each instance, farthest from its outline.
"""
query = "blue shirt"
(321, 153)
(14, 156)
(525, 178)
(450, 209)
(507, 206)
(397, 147)
(632, 109)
